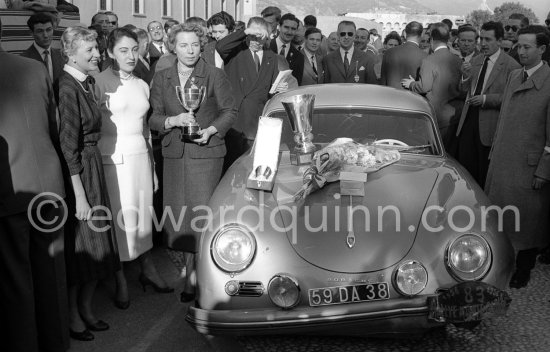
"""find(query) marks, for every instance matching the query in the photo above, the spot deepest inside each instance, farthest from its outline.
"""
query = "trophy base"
(190, 133)
(301, 158)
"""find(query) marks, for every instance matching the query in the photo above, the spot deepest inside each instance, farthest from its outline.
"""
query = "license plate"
(348, 294)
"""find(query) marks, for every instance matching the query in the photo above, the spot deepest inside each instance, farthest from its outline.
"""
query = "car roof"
(351, 94)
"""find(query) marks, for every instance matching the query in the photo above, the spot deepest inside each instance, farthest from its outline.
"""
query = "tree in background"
(503, 11)
(478, 17)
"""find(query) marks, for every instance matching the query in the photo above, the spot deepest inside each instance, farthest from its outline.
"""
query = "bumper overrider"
(468, 301)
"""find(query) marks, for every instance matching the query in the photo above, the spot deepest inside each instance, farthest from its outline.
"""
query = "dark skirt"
(188, 183)
(90, 246)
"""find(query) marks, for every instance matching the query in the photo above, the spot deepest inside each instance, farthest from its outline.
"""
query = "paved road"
(155, 323)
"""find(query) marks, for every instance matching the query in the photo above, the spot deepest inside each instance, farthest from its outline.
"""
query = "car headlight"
(410, 278)
(233, 248)
(468, 257)
(284, 291)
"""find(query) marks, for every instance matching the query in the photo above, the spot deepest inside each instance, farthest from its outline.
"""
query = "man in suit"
(251, 71)
(515, 22)
(438, 79)
(519, 169)
(348, 65)
(143, 69)
(404, 60)
(313, 64)
(41, 27)
(220, 24)
(467, 42)
(483, 80)
(33, 294)
(157, 47)
(282, 45)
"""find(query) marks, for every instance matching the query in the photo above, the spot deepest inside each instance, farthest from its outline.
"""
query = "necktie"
(257, 61)
(299, 48)
(47, 62)
(161, 49)
(282, 52)
(313, 63)
(525, 76)
(346, 62)
(481, 79)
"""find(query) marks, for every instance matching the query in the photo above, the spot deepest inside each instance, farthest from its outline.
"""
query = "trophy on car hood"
(191, 98)
(299, 109)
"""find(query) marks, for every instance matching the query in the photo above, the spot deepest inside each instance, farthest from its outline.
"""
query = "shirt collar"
(440, 48)
(280, 44)
(467, 58)
(350, 52)
(307, 52)
(40, 49)
(412, 42)
(259, 52)
(75, 73)
(533, 69)
(493, 58)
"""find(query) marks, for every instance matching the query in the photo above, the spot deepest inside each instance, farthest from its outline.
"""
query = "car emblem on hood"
(350, 239)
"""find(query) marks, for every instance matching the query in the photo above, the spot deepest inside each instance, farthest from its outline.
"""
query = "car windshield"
(368, 126)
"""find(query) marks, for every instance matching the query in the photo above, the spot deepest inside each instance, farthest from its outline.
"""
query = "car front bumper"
(391, 317)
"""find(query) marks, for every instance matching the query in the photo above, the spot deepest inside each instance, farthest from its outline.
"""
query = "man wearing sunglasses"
(515, 22)
(348, 64)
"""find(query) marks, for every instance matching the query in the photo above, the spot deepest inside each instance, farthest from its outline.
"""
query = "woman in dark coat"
(191, 169)
(90, 244)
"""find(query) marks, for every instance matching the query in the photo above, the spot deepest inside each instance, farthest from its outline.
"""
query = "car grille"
(250, 289)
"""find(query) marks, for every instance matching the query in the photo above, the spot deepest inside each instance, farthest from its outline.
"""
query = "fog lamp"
(284, 291)
(410, 278)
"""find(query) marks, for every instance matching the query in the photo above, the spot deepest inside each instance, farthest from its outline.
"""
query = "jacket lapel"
(496, 71)
(173, 82)
(250, 71)
(535, 81)
(338, 63)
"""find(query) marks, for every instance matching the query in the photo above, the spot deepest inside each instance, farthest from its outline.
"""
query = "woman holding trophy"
(193, 108)
(127, 155)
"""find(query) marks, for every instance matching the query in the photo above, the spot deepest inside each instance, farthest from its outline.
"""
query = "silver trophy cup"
(191, 99)
(299, 109)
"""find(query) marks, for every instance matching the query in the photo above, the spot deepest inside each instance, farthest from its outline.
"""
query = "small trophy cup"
(299, 109)
(191, 98)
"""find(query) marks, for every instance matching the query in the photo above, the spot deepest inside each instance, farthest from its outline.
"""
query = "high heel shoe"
(145, 281)
(122, 304)
(85, 335)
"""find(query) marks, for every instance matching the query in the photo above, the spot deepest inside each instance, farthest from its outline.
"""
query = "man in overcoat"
(519, 170)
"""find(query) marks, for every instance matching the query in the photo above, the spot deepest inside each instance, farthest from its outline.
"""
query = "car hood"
(383, 222)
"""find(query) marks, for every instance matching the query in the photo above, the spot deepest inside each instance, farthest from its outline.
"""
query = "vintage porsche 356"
(425, 248)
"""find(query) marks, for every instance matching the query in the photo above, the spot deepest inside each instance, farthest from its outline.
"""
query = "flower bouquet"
(343, 154)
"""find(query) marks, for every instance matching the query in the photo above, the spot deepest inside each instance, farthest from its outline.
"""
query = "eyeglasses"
(157, 28)
(350, 34)
(506, 49)
(547, 21)
(513, 28)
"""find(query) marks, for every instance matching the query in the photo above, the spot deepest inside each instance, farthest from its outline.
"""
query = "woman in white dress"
(127, 160)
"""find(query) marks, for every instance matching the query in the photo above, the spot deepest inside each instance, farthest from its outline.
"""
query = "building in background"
(397, 21)
(141, 12)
